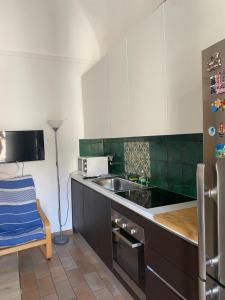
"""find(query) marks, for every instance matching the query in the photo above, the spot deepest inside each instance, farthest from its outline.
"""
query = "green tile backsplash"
(173, 159)
(91, 147)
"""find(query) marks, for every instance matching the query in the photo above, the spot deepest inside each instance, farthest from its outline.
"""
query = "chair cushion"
(20, 221)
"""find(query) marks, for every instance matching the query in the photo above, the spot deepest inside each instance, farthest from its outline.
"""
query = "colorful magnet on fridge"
(218, 103)
(213, 108)
(212, 131)
(220, 151)
(221, 129)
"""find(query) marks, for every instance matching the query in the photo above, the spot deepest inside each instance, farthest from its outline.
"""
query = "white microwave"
(93, 166)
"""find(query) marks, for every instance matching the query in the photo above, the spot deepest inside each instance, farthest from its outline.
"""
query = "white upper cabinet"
(150, 83)
(95, 90)
(183, 52)
(118, 91)
(146, 76)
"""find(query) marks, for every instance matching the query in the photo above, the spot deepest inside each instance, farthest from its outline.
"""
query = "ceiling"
(83, 29)
(111, 19)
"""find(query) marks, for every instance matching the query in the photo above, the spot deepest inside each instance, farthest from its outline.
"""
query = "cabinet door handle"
(125, 240)
(149, 269)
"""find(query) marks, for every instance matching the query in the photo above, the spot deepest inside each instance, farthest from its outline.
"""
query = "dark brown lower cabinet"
(173, 259)
(77, 206)
(92, 218)
(156, 289)
(97, 219)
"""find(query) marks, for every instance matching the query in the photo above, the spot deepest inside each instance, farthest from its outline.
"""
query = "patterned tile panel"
(137, 158)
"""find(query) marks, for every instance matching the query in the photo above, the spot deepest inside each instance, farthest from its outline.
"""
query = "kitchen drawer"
(157, 289)
(128, 213)
(181, 282)
(178, 252)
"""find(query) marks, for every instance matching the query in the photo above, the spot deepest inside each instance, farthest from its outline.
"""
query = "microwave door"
(80, 165)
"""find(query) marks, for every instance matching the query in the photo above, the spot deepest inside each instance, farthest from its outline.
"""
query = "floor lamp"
(59, 239)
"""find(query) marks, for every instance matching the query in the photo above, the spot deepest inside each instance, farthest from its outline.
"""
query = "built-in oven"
(128, 252)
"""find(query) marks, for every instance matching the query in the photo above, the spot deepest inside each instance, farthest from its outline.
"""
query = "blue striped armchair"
(23, 224)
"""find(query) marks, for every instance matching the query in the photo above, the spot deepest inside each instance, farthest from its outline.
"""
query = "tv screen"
(21, 146)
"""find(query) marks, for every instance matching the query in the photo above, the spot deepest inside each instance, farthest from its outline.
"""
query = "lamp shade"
(55, 124)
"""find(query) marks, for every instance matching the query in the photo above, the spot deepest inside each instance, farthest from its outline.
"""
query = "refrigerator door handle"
(220, 259)
(201, 223)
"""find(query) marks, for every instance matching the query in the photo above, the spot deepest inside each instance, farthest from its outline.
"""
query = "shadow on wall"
(169, 161)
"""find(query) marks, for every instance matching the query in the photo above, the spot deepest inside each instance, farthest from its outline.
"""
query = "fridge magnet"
(212, 131)
(220, 151)
(212, 90)
(215, 105)
(217, 83)
(221, 129)
(213, 108)
(214, 62)
(218, 105)
(212, 80)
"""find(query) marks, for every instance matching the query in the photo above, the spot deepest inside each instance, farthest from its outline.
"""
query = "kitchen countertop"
(149, 213)
(183, 221)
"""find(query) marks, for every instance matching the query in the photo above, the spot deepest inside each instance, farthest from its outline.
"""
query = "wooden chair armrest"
(47, 249)
(44, 218)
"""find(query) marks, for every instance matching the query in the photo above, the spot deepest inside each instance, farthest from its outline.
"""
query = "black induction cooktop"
(154, 197)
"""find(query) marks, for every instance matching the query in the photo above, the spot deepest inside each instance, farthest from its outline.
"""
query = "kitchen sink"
(118, 184)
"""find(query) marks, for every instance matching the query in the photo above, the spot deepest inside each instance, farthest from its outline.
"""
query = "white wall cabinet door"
(146, 75)
(95, 88)
(183, 50)
(118, 89)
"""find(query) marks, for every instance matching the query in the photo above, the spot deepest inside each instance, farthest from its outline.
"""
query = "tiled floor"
(9, 277)
(74, 272)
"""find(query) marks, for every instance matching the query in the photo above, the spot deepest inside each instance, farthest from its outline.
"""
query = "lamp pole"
(59, 239)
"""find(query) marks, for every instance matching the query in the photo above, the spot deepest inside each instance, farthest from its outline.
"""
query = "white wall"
(56, 27)
(45, 46)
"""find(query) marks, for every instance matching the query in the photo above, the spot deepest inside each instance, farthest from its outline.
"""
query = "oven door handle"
(130, 244)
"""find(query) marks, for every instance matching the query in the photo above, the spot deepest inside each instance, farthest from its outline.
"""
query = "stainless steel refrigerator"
(211, 177)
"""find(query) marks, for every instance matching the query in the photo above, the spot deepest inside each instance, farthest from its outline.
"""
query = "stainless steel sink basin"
(118, 184)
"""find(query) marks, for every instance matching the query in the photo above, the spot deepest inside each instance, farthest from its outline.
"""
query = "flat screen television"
(21, 146)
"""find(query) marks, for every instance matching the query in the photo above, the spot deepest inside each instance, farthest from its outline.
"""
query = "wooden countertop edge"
(182, 221)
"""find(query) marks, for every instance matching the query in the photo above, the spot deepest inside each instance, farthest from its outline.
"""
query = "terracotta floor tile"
(64, 290)
(41, 270)
(94, 281)
(78, 255)
(62, 251)
(50, 297)
(111, 286)
(91, 258)
(103, 294)
(99, 270)
(30, 295)
(86, 267)
(54, 261)
(28, 282)
(46, 286)
(58, 273)
(68, 263)
(83, 292)
(75, 277)
(26, 267)
(37, 256)
(119, 297)
(74, 272)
